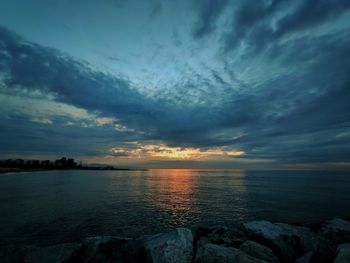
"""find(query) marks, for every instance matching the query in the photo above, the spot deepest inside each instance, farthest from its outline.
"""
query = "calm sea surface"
(60, 206)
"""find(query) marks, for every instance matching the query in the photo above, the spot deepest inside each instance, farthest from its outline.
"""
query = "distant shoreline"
(4, 170)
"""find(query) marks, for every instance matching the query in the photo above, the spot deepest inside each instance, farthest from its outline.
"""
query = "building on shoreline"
(63, 163)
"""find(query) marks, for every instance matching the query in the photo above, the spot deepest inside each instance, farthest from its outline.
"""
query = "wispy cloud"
(271, 85)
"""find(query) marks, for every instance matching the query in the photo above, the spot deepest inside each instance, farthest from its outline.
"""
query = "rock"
(283, 243)
(108, 249)
(258, 251)
(337, 230)
(211, 253)
(253, 242)
(91, 247)
(323, 249)
(175, 246)
(52, 254)
(343, 254)
(231, 237)
(306, 258)
(14, 253)
(264, 228)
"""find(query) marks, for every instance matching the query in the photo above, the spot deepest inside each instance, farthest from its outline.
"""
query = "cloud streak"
(209, 12)
(273, 85)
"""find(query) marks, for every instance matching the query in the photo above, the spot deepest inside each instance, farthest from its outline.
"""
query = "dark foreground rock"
(108, 249)
(343, 254)
(211, 253)
(52, 254)
(252, 242)
(176, 247)
(259, 251)
(338, 230)
(284, 243)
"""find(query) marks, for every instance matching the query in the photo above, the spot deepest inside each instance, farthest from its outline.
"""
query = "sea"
(50, 207)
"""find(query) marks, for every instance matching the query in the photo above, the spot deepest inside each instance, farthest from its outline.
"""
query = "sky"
(246, 84)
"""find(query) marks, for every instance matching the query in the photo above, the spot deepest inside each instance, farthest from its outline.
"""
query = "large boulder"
(14, 253)
(258, 251)
(337, 230)
(175, 246)
(321, 248)
(283, 243)
(52, 254)
(211, 253)
(343, 254)
(306, 258)
(108, 249)
(220, 235)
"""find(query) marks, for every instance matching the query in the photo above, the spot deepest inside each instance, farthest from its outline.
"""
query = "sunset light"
(175, 153)
(190, 131)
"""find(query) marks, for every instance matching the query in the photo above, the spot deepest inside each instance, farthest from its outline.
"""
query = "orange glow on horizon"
(174, 153)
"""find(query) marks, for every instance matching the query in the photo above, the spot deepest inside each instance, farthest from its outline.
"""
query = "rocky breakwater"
(252, 242)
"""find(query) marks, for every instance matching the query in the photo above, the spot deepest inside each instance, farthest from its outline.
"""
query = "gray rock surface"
(14, 253)
(306, 258)
(258, 251)
(211, 253)
(337, 230)
(108, 249)
(52, 254)
(220, 235)
(285, 244)
(252, 242)
(343, 254)
(323, 249)
(265, 229)
(175, 246)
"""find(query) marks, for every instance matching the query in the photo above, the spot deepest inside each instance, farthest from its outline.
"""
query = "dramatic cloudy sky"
(188, 83)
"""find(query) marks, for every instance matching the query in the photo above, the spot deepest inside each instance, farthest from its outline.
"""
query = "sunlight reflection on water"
(62, 206)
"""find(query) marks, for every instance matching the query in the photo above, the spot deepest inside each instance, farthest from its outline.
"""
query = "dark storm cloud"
(328, 145)
(208, 13)
(22, 136)
(300, 115)
(309, 13)
(252, 20)
(247, 17)
(315, 130)
(33, 67)
(294, 109)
